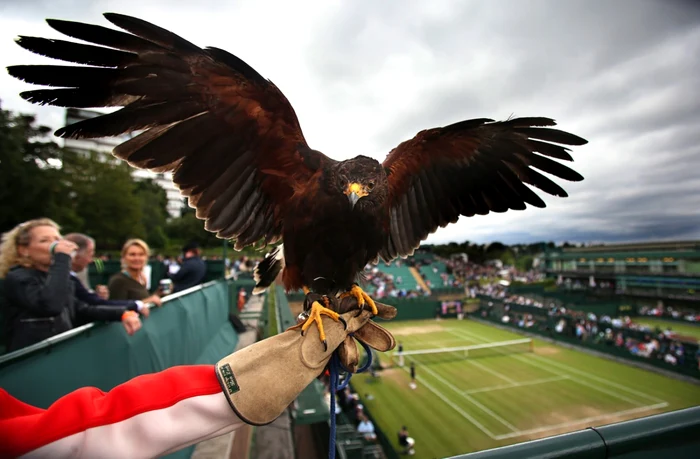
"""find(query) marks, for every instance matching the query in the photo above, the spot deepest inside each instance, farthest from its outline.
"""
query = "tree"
(30, 173)
(153, 201)
(189, 228)
(104, 195)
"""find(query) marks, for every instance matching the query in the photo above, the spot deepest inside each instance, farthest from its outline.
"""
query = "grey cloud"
(623, 74)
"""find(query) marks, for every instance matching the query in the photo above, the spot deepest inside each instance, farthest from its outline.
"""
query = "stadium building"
(658, 270)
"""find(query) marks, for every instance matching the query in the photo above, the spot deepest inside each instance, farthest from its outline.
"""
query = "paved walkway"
(235, 444)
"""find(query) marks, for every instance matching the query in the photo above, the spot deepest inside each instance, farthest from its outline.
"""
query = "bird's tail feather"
(267, 270)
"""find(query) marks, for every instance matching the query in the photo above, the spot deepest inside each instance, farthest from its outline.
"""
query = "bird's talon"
(345, 324)
(314, 315)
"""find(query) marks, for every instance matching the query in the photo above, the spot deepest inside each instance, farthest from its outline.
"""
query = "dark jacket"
(91, 298)
(192, 272)
(43, 304)
(123, 288)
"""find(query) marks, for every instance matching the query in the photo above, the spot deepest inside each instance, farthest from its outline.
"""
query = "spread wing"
(230, 137)
(471, 167)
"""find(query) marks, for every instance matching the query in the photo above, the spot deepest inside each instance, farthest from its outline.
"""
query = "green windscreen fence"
(190, 329)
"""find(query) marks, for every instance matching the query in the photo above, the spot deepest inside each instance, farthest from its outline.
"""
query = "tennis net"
(448, 354)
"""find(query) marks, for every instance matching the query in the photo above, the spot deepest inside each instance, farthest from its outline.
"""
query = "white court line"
(602, 380)
(470, 399)
(578, 381)
(516, 384)
(440, 343)
(464, 414)
(493, 372)
(581, 421)
(587, 375)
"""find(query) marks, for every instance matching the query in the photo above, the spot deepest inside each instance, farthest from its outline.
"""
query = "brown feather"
(230, 137)
(468, 168)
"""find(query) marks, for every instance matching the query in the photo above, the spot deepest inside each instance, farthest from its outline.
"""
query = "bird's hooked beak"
(354, 192)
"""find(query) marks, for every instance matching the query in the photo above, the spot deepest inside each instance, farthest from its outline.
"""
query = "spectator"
(366, 428)
(131, 283)
(192, 270)
(241, 299)
(35, 262)
(406, 442)
(83, 257)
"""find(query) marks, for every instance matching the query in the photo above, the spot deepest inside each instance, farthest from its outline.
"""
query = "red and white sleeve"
(147, 416)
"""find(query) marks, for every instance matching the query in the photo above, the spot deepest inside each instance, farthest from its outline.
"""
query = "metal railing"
(53, 340)
(673, 434)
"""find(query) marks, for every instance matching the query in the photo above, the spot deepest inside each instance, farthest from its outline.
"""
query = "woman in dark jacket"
(40, 299)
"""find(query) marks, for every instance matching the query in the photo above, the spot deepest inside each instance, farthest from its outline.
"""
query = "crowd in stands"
(437, 272)
(650, 342)
(45, 287)
(622, 332)
(350, 407)
(387, 285)
(661, 311)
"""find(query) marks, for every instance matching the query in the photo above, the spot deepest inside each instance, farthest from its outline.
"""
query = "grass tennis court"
(501, 397)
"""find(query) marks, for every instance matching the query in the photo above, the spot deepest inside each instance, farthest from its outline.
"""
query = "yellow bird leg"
(362, 298)
(315, 316)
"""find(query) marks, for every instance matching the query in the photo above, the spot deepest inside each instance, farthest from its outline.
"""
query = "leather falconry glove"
(372, 334)
(260, 381)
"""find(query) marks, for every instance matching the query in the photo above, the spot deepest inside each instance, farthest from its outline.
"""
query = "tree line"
(85, 192)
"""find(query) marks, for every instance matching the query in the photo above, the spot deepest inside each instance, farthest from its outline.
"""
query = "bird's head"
(363, 181)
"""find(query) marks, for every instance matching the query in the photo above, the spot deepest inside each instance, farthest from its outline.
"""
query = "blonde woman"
(39, 294)
(131, 283)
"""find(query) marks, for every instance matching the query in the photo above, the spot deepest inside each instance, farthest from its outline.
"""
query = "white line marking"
(491, 345)
(464, 414)
(473, 337)
(587, 375)
(602, 380)
(529, 361)
(493, 372)
(516, 384)
(470, 399)
(441, 343)
(472, 340)
(581, 421)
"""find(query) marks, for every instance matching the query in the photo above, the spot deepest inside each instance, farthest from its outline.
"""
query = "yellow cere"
(357, 189)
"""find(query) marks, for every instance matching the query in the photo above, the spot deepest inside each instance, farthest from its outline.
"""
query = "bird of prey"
(238, 153)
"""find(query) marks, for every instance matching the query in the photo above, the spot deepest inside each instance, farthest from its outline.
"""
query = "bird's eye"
(370, 185)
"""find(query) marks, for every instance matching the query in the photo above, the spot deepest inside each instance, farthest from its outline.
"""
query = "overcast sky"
(366, 75)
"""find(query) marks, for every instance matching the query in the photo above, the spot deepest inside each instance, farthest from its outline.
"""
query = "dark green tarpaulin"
(191, 329)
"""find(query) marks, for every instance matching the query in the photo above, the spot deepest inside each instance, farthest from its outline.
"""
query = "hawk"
(237, 151)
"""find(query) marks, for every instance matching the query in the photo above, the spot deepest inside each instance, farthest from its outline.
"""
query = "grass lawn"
(501, 397)
(680, 328)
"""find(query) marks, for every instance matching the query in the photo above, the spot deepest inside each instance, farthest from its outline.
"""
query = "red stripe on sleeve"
(24, 428)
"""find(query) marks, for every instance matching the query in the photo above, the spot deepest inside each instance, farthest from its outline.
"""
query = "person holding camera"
(35, 263)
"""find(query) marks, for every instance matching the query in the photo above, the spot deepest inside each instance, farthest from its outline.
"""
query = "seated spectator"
(406, 442)
(83, 257)
(35, 262)
(192, 270)
(131, 283)
(366, 428)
